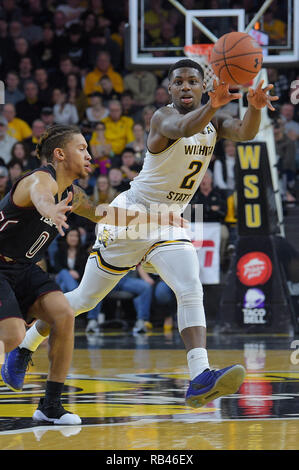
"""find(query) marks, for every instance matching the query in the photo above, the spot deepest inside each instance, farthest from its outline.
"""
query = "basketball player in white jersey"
(180, 145)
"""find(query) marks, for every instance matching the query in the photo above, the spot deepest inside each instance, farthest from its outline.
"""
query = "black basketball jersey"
(24, 233)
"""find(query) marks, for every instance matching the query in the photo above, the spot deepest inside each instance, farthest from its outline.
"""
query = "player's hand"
(258, 98)
(171, 218)
(221, 95)
(58, 213)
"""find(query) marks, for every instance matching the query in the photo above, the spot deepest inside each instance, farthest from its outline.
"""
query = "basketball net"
(201, 53)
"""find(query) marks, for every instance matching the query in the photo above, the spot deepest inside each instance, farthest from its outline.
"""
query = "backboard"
(151, 47)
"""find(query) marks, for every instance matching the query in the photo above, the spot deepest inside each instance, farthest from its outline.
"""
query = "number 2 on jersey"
(187, 182)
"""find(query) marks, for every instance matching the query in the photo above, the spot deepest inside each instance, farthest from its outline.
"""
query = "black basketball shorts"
(21, 284)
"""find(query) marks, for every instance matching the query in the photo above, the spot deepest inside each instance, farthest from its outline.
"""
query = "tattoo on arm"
(83, 205)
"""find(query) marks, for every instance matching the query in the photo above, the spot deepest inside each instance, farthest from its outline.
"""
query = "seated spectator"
(129, 165)
(20, 152)
(70, 260)
(15, 29)
(75, 94)
(89, 22)
(116, 180)
(102, 21)
(165, 300)
(230, 221)
(108, 92)
(72, 11)
(154, 16)
(6, 141)
(86, 229)
(286, 153)
(30, 108)
(101, 149)
(75, 46)
(3, 181)
(97, 7)
(291, 126)
(168, 38)
(96, 111)
(118, 130)
(66, 67)
(21, 49)
(87, 184)
(17, 128)
(31, 32)
(280, 82)
(15, 170)
(119, 35)
(100, 40)
(64, 112)
(6, 44)
(38, 128)
(294, 95)
(40, 13)
(214, 207)
(147, 115)
(12, 92)
(161, 97)
(44, 89)
(139, 144)
(224, 167)
(59, 24)
(103, 193)
(274, 27)
(25, 71)
(47, 116)
(142, 301)
(103, 67)
(128, 106)
(142, 84)
(47, 50)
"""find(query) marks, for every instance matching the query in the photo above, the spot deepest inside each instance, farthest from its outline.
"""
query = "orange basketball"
(236, 58)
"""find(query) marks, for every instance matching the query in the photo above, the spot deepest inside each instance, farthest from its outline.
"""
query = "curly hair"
(55, 136)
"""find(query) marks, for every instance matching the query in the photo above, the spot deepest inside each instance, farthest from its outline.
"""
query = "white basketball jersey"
(173, 175)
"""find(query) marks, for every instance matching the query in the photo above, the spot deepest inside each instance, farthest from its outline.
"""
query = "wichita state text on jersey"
(24, 233)
(173, 176)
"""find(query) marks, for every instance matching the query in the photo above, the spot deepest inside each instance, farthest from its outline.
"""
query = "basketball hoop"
(201, 54)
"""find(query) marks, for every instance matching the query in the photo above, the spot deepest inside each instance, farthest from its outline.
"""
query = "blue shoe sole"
(226, 384)
(8, 384)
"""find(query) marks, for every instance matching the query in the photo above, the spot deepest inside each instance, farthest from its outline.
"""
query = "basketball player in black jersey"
(30, 216)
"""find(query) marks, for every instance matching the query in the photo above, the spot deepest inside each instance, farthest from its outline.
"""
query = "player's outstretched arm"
(39, 189)
(246, 129)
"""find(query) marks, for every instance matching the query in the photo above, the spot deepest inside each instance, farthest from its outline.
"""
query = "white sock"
(32, 339)
(197, 361)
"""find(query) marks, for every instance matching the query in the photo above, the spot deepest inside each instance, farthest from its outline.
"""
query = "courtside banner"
(256, 210)
(255, 297)
(208, 251)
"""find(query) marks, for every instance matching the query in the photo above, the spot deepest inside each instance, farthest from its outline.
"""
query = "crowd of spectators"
(63, 62)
